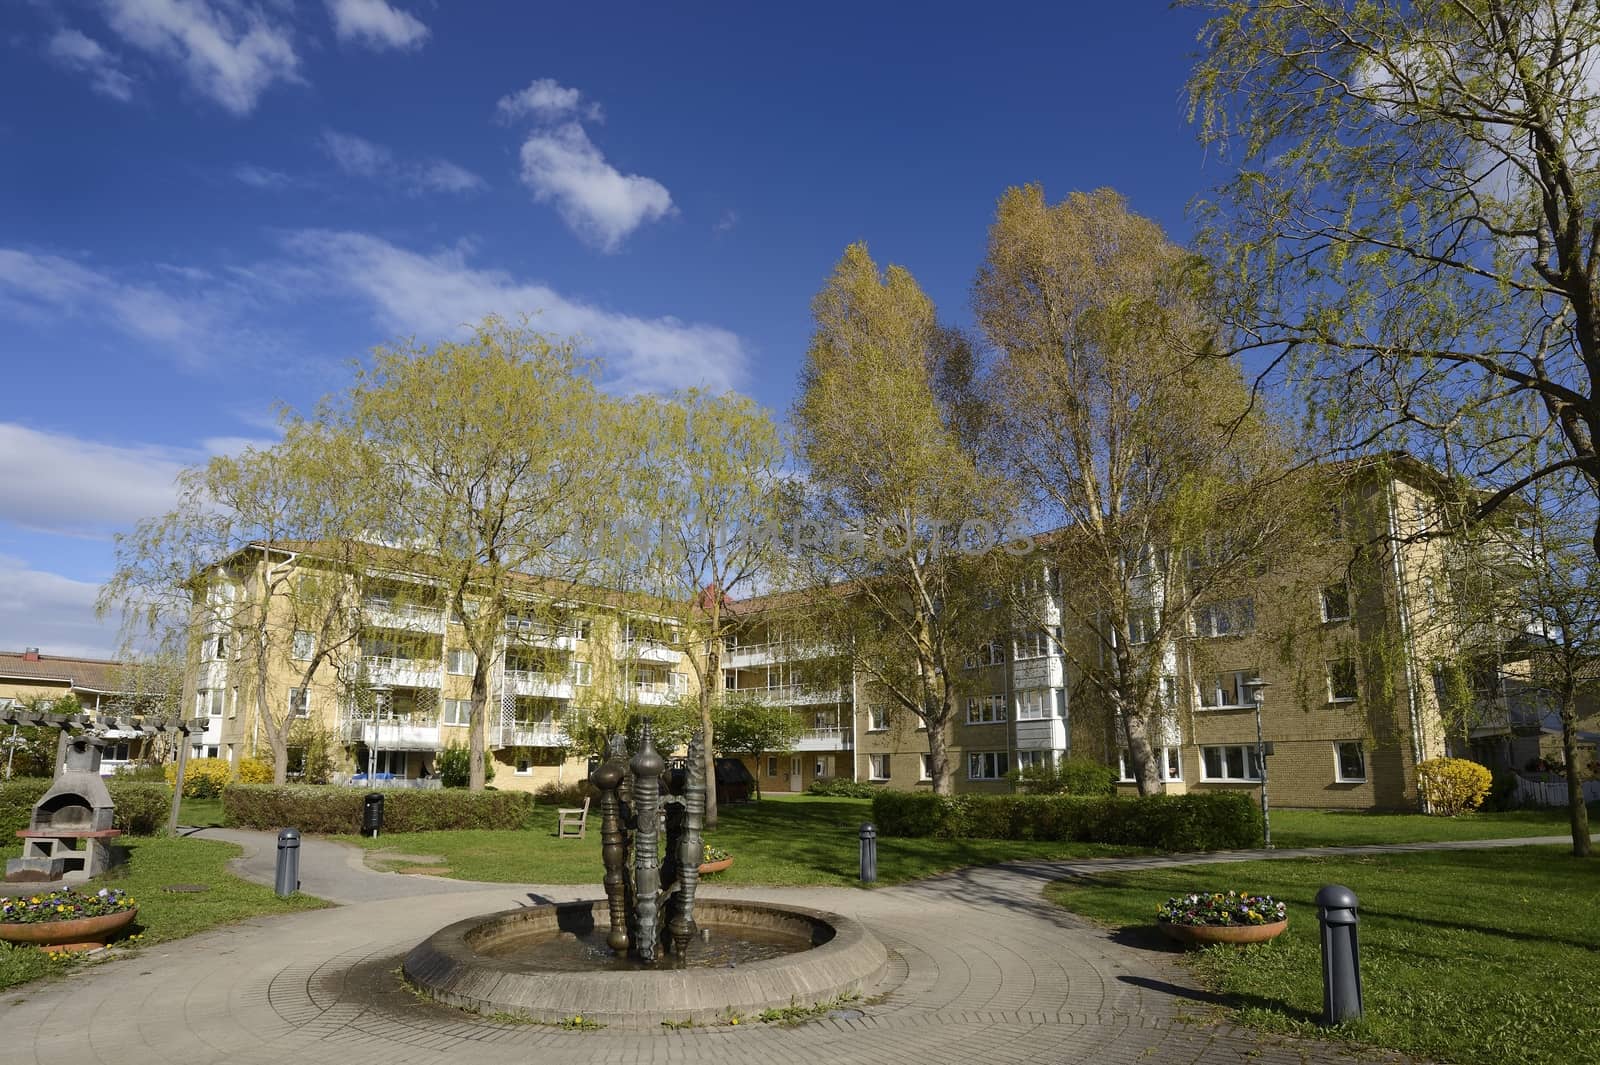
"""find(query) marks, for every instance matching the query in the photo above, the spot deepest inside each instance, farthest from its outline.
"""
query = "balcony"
(1042, 734)
(649, 651)
(531, 734)
(657, 693)
(531, 633)
(392, 734)
(409, 617)
(537, 683)
(397, 672)
(823, 739)
(754, 654)
(791, 694)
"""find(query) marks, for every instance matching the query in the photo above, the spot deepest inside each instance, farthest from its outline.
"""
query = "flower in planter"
(1222, 908)
(65, 904)
(713, 854)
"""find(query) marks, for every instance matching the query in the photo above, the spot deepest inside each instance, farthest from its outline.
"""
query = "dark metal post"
(607, 779)
(647, 767)
(1260, 687)
(287, 879)
(869, 852)
(692, 846)
(1341, 956)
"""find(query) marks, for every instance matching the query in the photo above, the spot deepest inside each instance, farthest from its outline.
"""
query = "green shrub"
(1191, 822)
(1075, 776)
(1502, 791)
(843, 789)
(148, 771)
(321, 808)
(572, 794)
(454, 766)
(141, 805)
(1452, 786)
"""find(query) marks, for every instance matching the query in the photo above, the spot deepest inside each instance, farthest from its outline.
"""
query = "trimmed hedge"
(1193, 822)
(327, 809)
(838, 788)
(142, 805)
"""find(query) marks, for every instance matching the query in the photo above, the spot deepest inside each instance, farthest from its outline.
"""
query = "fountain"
(652, 950)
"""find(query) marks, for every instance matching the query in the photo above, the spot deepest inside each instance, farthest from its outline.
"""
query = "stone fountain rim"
(446, 968)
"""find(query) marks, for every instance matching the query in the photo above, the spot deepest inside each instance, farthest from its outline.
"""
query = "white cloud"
(725, 224)
(43, 286)
(57, 483)
(547, 100)
(598, 202)
(376, 25)
(230, 50)
(51, 612)
(435, 295)
(359, 157)
(84, 54)
(261, 177)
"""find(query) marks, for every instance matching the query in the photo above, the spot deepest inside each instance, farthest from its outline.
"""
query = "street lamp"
(380, 693)
(1259, 694)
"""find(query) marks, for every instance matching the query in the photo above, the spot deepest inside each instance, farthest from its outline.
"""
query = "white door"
(795, 783)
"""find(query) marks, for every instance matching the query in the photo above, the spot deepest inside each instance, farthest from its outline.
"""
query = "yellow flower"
(734, 1021)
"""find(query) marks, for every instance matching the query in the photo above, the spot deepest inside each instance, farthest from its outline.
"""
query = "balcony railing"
(539, 682)
(532, 734)
(832, 738)
(641, 650)
(415, 733)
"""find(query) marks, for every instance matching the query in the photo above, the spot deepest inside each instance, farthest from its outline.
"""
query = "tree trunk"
(1578, 812)
(939, 768)
(1140, 753)
(476, 734)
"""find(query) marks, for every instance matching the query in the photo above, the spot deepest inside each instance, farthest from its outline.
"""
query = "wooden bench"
(572, 821)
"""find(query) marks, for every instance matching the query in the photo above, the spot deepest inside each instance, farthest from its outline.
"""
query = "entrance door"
(795, 783)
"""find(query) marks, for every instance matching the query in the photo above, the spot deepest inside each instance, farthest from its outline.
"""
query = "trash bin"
(372, 815)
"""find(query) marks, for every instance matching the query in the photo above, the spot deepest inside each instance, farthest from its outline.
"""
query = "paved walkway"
(982, 969)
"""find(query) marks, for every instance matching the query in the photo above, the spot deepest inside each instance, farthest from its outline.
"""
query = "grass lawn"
(1320, 828)
(163, 915)
(200, 813)
(775, 842)
(1467, 956)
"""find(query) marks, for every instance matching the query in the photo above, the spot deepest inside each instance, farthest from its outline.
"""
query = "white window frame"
(110, 752)
(877, 719)
(210, 702)
(522, 765)
(1170, 759)
(878, 767)
(300, 702)
(1252, 773)
(772, 765)
(1031, 758)
(1338, 761)
(1226, 617)
(1328, 615)
(1355, 680)
(988, 765)
(463, 710)
(582, 672)
(460, 662)
(1213, 693)
(1035, 704)
(304, 645)
(925, 767)
(986, 709)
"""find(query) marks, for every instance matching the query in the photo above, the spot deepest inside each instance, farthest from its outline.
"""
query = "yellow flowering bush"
(1453, 785)
(254, 771)
(203, 778)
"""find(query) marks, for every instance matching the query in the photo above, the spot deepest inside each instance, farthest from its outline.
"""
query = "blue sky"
(211, 206)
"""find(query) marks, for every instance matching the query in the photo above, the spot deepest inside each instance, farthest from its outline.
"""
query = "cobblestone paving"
(982, 970)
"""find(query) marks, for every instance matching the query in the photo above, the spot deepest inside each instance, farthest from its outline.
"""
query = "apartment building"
(101, 686)
(396, 687)
(1346, 643)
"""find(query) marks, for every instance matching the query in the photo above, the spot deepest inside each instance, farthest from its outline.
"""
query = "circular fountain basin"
(550, 963)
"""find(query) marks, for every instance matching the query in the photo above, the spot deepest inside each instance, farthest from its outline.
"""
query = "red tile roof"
(84, 674)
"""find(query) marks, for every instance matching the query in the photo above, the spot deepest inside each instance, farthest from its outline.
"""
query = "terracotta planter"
(1205, 934)
(80, 933)
(717, 866)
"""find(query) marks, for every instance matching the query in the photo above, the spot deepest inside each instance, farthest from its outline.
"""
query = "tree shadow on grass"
(1213, 998)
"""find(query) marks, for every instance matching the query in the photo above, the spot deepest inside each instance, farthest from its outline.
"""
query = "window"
(677, 683)
(582, 673)
(878, 719)
(1141, 624)
(1039, 643)
(457, 711)
(305, 645)
(580, 628)
(299, 702)
(1169, 693)
(925, 767)
(208, 702)
(987, 765)
(1221, 691)
(460, 662)
(1350, 762)
(114, 752)
(216, 648)
(1336, 602)
(294, 761)
(990, 654)
(1342, 687)
(986, 709)
(1033, 705)
(1237, 762)
(524, 764)
(233, 703)
(1228, 618)
(206, 752)
(1033, 759)
(1169, 764)
(878, 767)
(772, 765)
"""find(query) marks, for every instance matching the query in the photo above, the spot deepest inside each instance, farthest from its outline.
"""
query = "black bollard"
(869, 853)
(287, 879)
(1341, 957)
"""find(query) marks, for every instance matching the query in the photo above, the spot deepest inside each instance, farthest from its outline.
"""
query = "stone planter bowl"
(1206, 934)
(79, 933)
(717, 866)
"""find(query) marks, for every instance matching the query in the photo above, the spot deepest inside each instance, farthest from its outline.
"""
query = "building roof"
(81, 674)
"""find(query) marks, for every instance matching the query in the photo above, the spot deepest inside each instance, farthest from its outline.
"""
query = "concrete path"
(983, 969)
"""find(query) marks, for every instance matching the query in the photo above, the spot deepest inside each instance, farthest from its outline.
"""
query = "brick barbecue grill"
(68, 837)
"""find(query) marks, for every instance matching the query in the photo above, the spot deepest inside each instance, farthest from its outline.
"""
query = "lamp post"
(1259, 695)
(380, 693)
